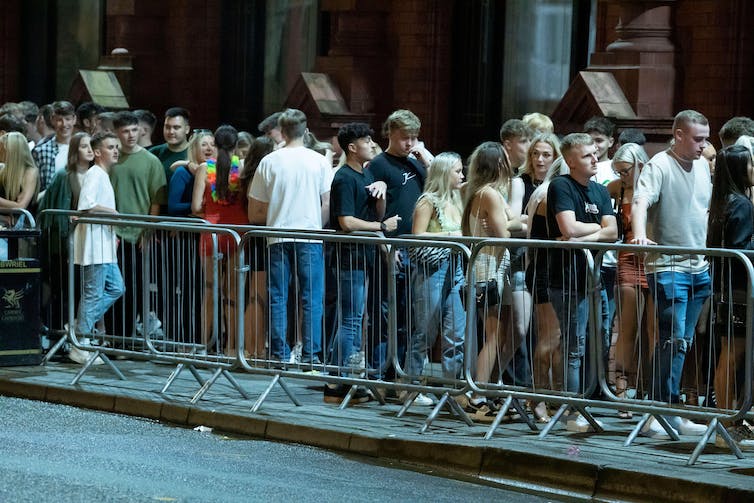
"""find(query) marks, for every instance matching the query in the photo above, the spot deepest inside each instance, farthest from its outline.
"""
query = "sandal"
(541, 414)
(621, 385)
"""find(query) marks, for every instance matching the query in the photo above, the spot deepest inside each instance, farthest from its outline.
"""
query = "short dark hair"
(292, 123)
(515, 128)
(10, 123)
(125, 118)
(351, 132)
(177, 112)
(600, 125)
(63, 108)
(270, 123)
(736, 127)
(146, 116)
(98, 138)
(632, 135)
(88, 109)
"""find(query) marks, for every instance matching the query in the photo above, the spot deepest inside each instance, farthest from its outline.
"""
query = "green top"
(138, 181)
(167, 157)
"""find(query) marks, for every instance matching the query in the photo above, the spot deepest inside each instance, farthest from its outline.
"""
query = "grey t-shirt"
(677, 216)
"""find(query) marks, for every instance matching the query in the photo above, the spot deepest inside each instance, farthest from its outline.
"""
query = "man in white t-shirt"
(291, 190)
(669, 208)
(95, 246)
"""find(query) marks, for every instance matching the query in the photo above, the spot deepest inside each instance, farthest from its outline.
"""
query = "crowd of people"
(532, 302)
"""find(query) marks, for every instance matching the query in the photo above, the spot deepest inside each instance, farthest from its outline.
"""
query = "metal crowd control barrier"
(537, 391)
(55, 226)
(351, 375)
(712, 416)
(147, 342)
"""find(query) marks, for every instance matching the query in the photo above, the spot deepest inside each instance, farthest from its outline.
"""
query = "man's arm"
(573, 230)
(257, 211)
(325, 208)
(608, 231)
(639, 222)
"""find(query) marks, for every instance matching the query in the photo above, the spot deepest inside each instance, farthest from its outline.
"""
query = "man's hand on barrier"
(377, 189)
(391, 223)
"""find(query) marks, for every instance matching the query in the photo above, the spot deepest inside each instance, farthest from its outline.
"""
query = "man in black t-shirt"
(403, 168)
(578, 209)
(352, 208)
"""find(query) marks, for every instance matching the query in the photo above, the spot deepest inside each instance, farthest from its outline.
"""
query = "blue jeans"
(102, 285)
(307, 261)
(436, 300)
(572, 310)
(351, 295)
(379, 313)
(679, 298)
(607, 293)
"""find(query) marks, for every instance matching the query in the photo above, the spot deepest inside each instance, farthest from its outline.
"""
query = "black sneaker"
(337, 393)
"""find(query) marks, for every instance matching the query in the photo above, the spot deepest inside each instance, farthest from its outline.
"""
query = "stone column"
(642, 59)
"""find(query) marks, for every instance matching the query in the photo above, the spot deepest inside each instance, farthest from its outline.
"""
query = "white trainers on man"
(81, 357)
(578, 423)
(653, 429)
(421, 399)
(686, 427)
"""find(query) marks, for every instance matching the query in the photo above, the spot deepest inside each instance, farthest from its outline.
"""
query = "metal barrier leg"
(553, 420)
(207, 384)
(268, 389)
(177, 371)
(637, 429)
(666, 426)
(54, 349)
(90, 362)
(234, 383)
(590, 419)
(348, 397)
(714, 425)
(458, 410)
(434, 413)
(499, 417)
(409, 401)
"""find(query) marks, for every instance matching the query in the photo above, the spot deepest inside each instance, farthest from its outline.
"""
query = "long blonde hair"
(548, 138)
(15, 153)
(437, 189)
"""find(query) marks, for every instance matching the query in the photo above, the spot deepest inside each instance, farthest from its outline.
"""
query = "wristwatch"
(383, 227)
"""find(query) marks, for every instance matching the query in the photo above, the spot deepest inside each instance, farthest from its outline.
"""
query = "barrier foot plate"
(97, 354)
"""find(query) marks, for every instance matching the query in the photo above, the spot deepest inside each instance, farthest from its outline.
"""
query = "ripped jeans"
(679, 298)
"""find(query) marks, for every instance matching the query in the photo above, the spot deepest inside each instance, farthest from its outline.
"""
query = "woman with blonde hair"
(18, 180)
(201, 147)
(18, 174)
(486, 214)
(438, 276)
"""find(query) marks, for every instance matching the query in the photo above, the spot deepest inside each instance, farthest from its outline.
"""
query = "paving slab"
(580, 466)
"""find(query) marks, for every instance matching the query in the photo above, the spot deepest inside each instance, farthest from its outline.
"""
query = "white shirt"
(291, 180)
(95, 244)
(61, 160)
(677, 213)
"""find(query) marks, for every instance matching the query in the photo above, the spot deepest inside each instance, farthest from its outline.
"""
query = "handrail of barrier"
(30, 223)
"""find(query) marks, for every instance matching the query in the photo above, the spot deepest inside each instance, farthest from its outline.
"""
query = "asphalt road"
(52, 452)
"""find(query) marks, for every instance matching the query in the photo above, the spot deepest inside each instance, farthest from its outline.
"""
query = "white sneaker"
(741, 435)
(578, 423)
(421, 399)
(686, 427)
(652, 429)
(81, 357)
(296, 353)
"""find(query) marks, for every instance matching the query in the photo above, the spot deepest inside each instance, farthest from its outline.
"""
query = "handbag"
(487, 293)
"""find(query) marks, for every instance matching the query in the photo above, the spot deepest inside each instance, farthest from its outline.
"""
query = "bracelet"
(383, 227)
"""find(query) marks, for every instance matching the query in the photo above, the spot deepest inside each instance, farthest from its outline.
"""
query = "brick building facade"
(445, 60)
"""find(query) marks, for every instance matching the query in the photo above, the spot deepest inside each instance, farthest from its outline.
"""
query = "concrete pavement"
(573, 465)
